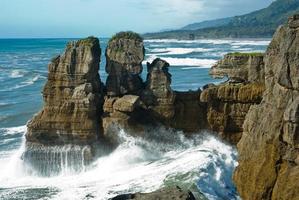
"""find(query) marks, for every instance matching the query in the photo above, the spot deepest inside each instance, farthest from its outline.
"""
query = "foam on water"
(136, 165)
(23, 84)
(17, 73)
(212, 41)
(203, 63)
(177, 51)
(13, 130)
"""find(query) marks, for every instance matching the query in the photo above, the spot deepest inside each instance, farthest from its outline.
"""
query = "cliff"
(72, 97)
(227, 106)
(269, 147)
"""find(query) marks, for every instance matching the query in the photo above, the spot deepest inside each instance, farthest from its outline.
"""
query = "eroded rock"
(227, 106)
(268, 151)
(242, 67)
(124, 56)
(72, 97)
(158, 95)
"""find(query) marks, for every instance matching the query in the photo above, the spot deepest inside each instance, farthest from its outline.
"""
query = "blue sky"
(80, 18)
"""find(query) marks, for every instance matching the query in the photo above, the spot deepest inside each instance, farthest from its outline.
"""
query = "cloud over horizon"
(77, 18)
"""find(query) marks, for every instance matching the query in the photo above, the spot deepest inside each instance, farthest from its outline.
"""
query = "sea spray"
(162, 157)
(43, 160)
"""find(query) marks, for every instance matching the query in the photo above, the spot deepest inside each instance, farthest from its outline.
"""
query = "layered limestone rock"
(124, 56)
(268, 150)
(190, 113)
(72, 97)
(158, 95)
(157, 105)
(240, 67)
(227, 106)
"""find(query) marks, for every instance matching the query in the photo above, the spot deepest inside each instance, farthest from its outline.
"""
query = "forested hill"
(261, 23)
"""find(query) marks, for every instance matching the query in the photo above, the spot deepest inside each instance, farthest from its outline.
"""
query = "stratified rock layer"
(157, 105)
(268, 151)
(72, 97)
(247, 67)
(227, 106)
(158, 95)
(124, 56)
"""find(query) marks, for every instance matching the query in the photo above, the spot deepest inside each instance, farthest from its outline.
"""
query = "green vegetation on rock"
(88, 41)
(246, 54)
(127, 35)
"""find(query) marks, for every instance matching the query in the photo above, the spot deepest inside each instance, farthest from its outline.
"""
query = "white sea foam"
(252, 42)
(213, 41)
(200, 41)
(24, 83)
(14, 130)
(140, 165)
(176, 51)
(203, 63)
(16, 73)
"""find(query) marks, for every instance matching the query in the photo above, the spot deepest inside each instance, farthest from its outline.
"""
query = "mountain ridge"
(257, 24)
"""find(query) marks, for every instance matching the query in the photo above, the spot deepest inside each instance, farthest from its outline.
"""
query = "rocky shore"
(257, 108)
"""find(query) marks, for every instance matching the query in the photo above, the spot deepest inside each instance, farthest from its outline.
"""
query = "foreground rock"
(124, 56)
(227, 106)
(242, 67)
(165, 194)
(72, 98)
(269, 148)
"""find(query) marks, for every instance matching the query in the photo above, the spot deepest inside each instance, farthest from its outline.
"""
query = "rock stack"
(124, 56)
(269, 148)
(158, 95)
(72, 97)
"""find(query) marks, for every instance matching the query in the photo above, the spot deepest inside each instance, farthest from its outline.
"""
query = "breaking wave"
(163, 158)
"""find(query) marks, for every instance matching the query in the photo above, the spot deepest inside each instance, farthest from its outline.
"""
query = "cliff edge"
(269, 147)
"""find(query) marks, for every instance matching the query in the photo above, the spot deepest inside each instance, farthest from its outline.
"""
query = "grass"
(88, 41)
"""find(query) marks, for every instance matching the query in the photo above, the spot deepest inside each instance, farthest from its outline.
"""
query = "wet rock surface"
(165, 194)
(268, 150)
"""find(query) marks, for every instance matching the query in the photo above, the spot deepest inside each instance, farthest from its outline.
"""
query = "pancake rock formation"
(72, 98)
(269, 147)
(246, 67)
(228, 103)
(124, 56)
(157, 104)
(227, 106)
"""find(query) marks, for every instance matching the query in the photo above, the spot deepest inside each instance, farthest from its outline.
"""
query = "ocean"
(202, 162)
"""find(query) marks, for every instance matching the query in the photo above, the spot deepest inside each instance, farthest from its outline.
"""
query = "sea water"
(137, 164)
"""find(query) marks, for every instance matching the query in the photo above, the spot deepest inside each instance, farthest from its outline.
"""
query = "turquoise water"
(207, 161)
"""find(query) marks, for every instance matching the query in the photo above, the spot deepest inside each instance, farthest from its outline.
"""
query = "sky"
(102, 18)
